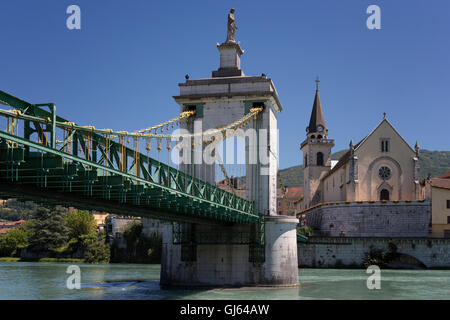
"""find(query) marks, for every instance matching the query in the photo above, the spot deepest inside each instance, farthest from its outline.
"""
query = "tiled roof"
(342, 160)
(293, 193)
(445, 176)
(441, 183)
(11, 223)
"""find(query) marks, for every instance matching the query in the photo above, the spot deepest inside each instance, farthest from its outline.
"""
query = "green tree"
(80, 223)
(95, 248)
(140, 248)
(13, 242)
(132, 234)
(49, 230)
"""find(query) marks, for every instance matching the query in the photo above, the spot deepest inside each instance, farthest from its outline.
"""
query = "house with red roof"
(8, 225)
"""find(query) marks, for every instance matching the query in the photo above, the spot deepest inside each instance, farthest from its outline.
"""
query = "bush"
(375, 257)
(379, 257)
(9, 259)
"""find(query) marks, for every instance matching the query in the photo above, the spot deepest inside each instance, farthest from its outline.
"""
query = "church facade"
(381, 167)
(373, 190)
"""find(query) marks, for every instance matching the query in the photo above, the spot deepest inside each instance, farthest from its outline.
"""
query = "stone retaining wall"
(328, 252)
(366, 219)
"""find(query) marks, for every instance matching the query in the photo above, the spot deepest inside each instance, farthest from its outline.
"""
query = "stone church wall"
(371, 219)
(326, 252)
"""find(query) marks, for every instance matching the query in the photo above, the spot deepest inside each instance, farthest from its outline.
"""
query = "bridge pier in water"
(232, 264)
(263, 253)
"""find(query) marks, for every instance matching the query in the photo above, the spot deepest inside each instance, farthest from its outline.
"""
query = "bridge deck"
(44, 173)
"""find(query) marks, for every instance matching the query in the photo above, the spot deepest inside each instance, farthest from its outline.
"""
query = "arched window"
(306, 161)
(319, 158)
(384, 195)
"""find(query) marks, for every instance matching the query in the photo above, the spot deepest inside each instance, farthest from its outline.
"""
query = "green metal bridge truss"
(99, 179)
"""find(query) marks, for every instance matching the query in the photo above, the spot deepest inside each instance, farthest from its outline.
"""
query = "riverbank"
(59, 260)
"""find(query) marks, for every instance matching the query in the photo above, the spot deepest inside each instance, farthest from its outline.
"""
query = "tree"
(140, 248)
(49, 229)
(15, 240)
(95, 249)
(80, 223)
(132, 234)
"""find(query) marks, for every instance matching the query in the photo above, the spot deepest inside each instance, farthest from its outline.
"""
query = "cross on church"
(317, 83)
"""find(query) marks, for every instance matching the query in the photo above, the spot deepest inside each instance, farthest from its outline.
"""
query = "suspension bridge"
(225, 229)
(91, 168)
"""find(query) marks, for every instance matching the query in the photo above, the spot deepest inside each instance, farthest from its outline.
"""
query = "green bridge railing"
(107, 170)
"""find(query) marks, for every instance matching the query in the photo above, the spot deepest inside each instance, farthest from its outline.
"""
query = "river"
(38, 280)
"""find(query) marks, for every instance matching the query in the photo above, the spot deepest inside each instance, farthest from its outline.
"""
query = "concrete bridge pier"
(229, 260)
(230, 265)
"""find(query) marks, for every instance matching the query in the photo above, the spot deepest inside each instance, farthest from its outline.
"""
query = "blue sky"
(122, 68)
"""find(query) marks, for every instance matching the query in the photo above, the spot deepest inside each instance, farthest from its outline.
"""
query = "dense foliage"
(54, 232)
(95, 249)
(13, 242)
(49, 230)
(14, 210)
(80, 223)
(139, 248)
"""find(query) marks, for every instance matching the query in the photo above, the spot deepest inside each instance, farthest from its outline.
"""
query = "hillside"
(435, 163)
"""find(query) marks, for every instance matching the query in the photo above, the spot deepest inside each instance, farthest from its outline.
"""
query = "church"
(373, 190)
(380, 167)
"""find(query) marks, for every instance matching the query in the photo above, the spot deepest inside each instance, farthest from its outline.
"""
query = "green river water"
(36, 280)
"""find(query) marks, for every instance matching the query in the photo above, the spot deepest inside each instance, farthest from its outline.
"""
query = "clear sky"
(122, 68)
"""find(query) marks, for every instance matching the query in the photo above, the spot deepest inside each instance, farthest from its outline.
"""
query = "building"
(6, 226)
(438, 189)
(381, 167)
(116, 225)
(100, 219)
(372, 191)
(289, 202)
(234, 186)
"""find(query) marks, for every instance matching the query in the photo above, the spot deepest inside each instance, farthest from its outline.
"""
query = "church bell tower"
(316, 154)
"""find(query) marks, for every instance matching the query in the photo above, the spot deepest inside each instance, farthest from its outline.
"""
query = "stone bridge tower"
(220, 100)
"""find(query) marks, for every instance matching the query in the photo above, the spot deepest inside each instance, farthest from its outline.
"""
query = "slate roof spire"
(317, 117)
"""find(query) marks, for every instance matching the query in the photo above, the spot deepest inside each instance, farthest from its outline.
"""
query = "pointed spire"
(317, 117)
(416, 148)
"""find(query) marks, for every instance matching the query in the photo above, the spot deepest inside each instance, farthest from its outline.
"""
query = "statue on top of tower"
(232, 27)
